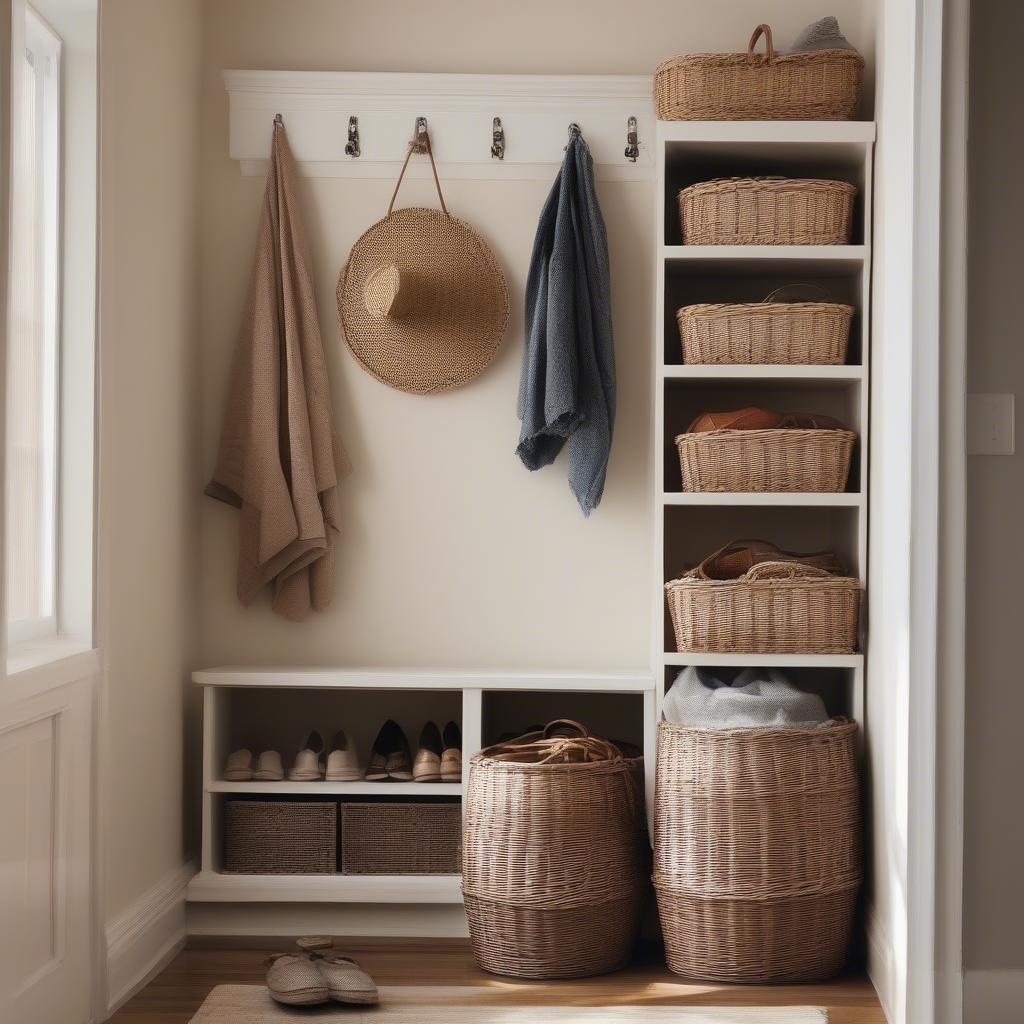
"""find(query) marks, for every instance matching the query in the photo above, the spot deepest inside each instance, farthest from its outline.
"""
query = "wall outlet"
(990, 425)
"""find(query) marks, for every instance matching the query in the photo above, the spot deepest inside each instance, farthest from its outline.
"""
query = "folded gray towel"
(821, 35)
(567, 383)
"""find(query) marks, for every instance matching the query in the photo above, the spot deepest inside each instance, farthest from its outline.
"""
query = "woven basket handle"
(414, 146)
(562, 723)
(810, 285)
(784, 571)
(733, 545)
(766, 31)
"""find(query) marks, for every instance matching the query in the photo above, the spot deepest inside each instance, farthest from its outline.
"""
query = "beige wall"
(149, 52)
(994, 889)
(452, 554)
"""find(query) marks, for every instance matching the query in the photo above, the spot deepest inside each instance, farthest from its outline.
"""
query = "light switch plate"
(990, 425)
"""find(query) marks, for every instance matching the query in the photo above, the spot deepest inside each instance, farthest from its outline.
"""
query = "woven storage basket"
(823, 85)
(554, 857)
(757, 850)
(769, 461)
(777, 606)
(767, 211)
(768, 332)
(269, 837)
(400, 839)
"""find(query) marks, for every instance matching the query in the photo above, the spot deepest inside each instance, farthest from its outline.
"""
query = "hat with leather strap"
(422, 300)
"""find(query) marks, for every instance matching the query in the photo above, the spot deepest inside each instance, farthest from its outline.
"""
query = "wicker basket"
(768, 332)
(767, 211)
(766, 461)
(782, 604)
(823, 85)
(400, 839)
(757, 850)
(269, 837)
(554, 858)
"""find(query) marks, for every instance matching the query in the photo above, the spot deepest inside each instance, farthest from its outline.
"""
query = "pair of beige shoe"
(318, 975)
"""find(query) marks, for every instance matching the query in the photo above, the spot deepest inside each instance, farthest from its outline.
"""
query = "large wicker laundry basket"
(784, 460)
(770, 332)
(767, 211)
(757, 850)
(822, 85)
(769, 602)
(554, 856)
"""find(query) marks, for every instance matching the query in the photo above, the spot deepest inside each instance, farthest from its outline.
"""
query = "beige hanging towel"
(279, 459)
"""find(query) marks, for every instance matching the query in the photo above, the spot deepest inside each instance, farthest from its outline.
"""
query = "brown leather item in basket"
(783, 603)
(554, 855)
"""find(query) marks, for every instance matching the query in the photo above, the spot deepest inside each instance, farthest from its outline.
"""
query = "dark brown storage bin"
(269, 837)
(401, 839)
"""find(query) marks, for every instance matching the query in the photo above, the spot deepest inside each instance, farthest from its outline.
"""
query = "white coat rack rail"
(358, 125)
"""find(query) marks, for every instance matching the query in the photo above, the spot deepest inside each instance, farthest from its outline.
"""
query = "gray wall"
(994, 886)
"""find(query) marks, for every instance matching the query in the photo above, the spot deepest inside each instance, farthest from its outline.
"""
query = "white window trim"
(46, 45)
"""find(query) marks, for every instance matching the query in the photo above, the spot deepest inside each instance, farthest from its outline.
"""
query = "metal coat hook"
(352, 146)
(497, 140)
(278, 121)
(420, 139)
(632, 141)
(574, 133)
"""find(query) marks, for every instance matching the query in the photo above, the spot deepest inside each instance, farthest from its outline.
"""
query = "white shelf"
(836, 132)
(842, 254)
(391, 679)
(215, 887)
(768, 660)
(337, 788)
(727, 372)
(757, 498)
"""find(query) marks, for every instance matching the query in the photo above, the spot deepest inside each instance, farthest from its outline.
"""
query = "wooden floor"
(178, 991)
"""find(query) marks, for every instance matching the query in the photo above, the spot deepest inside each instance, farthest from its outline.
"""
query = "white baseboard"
(882, 968)
(993, 997)
(143, 938)
(395, 920)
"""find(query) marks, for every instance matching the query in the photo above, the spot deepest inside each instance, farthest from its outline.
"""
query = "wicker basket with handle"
(820, 85)
(773, 331)
(757, 850)
(752, 597)
(786, 460)
(554, 857)
(767, 211)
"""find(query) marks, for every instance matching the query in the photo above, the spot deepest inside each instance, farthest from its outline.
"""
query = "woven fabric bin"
(757, 850)
(770, 461)
(823, 85)
(769, 332)
(269, 837)
(777, 606)
(400, 839)
(553, 862)
(767, 211)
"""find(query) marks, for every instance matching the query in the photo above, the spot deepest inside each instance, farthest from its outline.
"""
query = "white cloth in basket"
(758, 698)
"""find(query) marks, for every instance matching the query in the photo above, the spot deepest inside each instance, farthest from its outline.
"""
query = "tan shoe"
(295, 980)
(342, 760)
(269, 767)
(346, 981)
(451, 755)
(427, 765)
(239, 766)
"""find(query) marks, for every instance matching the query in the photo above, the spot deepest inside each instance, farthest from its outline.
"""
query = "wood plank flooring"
(174, 995)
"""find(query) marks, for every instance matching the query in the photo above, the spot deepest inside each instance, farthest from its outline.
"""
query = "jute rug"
(250, 1004)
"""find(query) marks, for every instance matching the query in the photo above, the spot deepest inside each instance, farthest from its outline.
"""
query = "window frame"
(45, 45)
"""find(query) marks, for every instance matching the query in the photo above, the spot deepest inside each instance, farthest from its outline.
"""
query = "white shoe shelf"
(241, 705)
(689, 526)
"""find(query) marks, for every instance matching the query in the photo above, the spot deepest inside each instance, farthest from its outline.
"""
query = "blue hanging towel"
(567, 383)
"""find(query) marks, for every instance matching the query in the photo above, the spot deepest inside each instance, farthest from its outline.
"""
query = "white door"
(49, 675)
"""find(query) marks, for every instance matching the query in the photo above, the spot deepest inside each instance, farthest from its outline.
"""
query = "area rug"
(250, 1004)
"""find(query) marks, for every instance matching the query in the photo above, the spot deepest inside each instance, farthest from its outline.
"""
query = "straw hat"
(422, 300)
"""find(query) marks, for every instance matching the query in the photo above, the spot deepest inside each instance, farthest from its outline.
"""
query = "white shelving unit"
(689, 526)
(240, 700)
